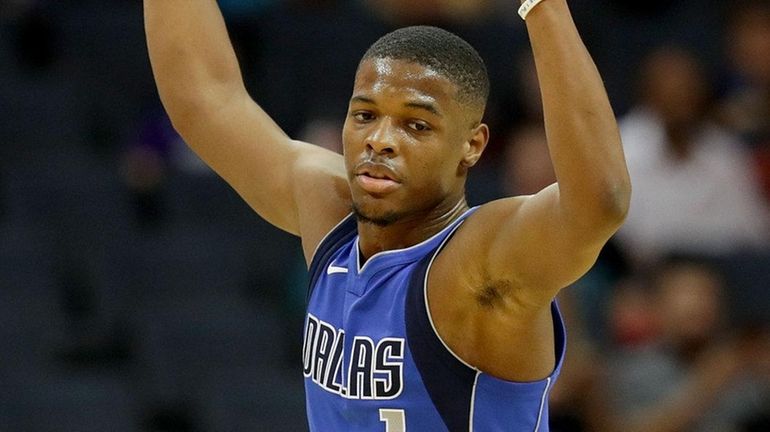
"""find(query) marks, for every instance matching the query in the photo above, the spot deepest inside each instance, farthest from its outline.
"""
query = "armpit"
(493, 293)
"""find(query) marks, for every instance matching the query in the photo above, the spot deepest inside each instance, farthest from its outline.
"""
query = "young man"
(423, 314)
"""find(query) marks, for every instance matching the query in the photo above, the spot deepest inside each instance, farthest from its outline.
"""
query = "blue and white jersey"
(373, 361)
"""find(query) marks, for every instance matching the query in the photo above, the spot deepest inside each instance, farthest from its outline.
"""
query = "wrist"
(526, 7)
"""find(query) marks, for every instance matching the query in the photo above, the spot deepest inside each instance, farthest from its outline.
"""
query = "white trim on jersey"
(427, 306)
(473, 401)
(542, 404)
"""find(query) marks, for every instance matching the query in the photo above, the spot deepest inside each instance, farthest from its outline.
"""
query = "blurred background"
(138, 293)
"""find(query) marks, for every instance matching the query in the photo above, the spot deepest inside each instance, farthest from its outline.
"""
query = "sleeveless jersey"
(373, 361)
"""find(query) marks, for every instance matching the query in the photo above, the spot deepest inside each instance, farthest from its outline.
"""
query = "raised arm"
(548, 240)
(201, 87)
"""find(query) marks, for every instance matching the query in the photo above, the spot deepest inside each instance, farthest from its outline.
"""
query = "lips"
(376, 178)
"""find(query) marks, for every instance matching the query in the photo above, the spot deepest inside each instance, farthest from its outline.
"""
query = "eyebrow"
(413, 104)
(424, 106)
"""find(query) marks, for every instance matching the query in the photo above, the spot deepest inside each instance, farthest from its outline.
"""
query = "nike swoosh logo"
(332, 269)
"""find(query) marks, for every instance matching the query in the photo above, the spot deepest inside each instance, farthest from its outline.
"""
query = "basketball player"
(424, 314)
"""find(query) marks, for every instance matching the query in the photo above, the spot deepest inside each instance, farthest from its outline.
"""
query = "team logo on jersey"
(374, 371)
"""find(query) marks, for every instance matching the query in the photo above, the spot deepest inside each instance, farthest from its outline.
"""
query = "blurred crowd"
(138, 293)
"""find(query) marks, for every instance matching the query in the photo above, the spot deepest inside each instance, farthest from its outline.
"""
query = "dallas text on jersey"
(375, 370)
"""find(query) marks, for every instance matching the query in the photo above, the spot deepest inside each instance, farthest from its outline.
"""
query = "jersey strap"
(345, 231)
(449, 382)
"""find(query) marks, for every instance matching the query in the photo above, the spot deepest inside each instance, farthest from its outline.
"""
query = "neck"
(408, 231)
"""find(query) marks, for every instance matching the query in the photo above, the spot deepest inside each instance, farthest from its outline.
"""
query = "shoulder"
(483, 223)
(461, 259)
(322, 195)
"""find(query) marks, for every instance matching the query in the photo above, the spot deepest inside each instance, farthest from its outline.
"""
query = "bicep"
(239, 141)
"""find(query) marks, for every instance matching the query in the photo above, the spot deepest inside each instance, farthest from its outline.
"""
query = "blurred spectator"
(631, 315)
(696, 376)
(693, 185)
(620, 33)
(746, 107)
(568, 398)
(144, 167)
(527, 165)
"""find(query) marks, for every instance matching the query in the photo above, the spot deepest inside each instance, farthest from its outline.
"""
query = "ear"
(475, 145)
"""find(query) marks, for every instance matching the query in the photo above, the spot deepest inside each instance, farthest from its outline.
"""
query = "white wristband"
(527, 7)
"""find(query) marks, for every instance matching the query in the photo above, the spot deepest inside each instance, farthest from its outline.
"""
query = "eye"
(363, 116)
(418, 126)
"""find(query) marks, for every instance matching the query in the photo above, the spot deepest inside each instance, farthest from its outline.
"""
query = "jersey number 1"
(395, 419)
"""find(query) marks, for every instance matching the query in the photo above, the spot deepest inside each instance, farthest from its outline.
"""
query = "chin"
(381, 218)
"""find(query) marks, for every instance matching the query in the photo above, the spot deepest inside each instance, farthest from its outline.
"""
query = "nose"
(382, 139)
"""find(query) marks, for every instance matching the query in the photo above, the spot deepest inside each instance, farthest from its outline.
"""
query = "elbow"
(183, 117)
(599, 210)
(181, 108)
(616, 202)
(605, 207)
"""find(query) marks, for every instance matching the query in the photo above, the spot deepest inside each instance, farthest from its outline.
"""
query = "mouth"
(376, 179)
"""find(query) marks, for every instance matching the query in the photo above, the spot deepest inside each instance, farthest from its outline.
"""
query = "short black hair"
(441, 51)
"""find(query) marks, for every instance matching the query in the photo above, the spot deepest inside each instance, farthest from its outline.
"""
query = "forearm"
(191, 55)
(583, 136)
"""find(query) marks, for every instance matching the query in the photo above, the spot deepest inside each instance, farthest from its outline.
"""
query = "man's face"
(405, 141)
(689, 303)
